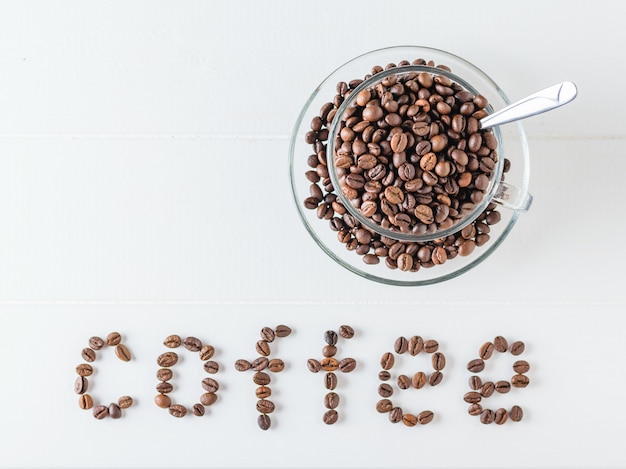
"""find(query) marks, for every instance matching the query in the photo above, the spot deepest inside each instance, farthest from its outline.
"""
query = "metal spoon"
(541, 101)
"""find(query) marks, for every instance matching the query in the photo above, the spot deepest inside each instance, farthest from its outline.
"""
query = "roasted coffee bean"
(521, 366)
(500, 344)
(419, 380)
(192, 344)
(409, 420)
(517, 347)
(384, 375)
(263, 348)
(114, 338)
(330, 381)
(472, 397)
(475, 409)
(487, 389)
(519, 381)
(516, 413)
(383, 406)
(503, 387)
(84, 369)
(264, 422)
(329, 351)
(330, 417)
(85, 401)
(198, 410)
(88, 355)
(178, 410)
(162, 401)
(211, 367)
(208, 398)
(404, 382)
(486, 350)
(263, 392)
(261, 378)
(267, 333)
(439, 361)
(100, 412)
(114, 411)
(242, 365)
(167, 359)
(330, 337)
(435, 378)
(401, 345)
(172, 341)
(329, 364)
(276, 365)
(415, 346)
(476, 366)
(282, 330)
(122, 352)
(385, 390)
(80, 385)
(260, 364)
(425, 417)
(487, 416)
(264, 406)
(347, 365)
(164, 387)
(395, 415)
(501, 416)
(96, 343)
(387, 361)
(331, 400)
(313, 365)
(346, 332)
(206, 352)
(210, 385)
(431, 346)
(475, 383)
(125, 402)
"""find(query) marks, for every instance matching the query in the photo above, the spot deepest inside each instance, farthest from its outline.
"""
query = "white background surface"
(144, 188)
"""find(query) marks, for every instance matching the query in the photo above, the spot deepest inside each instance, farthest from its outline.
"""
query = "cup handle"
(511, 197)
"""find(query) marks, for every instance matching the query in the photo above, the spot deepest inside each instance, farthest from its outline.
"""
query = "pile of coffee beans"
(330, 365)
(411, 156)
(260, 366)
(414, 346)
(164, 374)
(480, 389)
(83, 370)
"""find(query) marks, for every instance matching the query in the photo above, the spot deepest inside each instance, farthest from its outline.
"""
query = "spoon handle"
(541, 101)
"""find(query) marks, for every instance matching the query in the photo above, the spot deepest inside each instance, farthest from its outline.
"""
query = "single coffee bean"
(409, 420)
(114, 338)
(384, 375)
(500, 344)
(383, 406)
(263, 392)
(385, 390)
(164, 374)
(330, 417)
(331, 400)
(487, 416)
(210, 385)
(330, 337)
(313, 365)
(84, 369)
(329, 351)
(395, 415)
(85, 401)
(282, 330)
(415, 346)
(347, 365)
(472, 397)
(329, 364)
(242, 365)
(261, 378)
(260, 363)
(198, 410)
(114, 411)
(80, 385)
(387, 361)
(330, 381)
(167, 359)
(125, 402)
(164, 387)
(88, 355)
(486, 350)
(264, 422)
(100, 412)
(404, 382)
(521, 366)
(475, 409)
(435, 378)
(206, 352)
(276, 365)
(192, 344)
(122, 352)
(439, 361)
(96, 343)
(516, 413)
(162, 401)
(172, 341)
(425, 417)
(517, 347)
(487, 389)
(475, 383)
(178, 410)
(346, 332)
(519, 381)
(431, 346)
(503, 387)
(263, 348)
(419, 380)
(401, 345)
(268, 334)
(208, 398)
(211, 367)
(264, 406)
(501, 416)
(476, 366)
